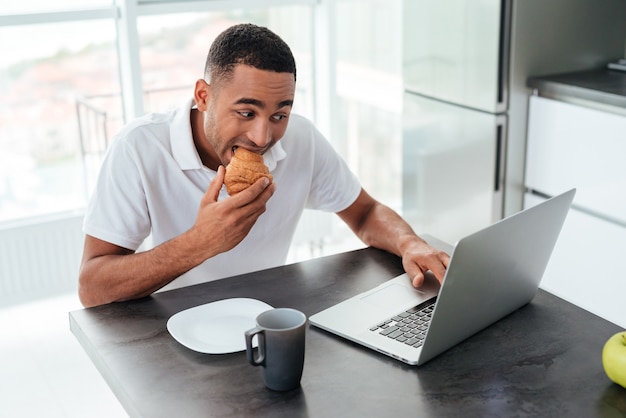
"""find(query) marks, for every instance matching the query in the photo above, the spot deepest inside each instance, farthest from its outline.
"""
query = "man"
(163, 177)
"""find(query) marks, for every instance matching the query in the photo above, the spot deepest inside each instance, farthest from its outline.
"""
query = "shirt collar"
(181, 139)
(184, 150)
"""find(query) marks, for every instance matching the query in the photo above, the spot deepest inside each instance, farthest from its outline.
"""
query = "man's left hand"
(420, 258)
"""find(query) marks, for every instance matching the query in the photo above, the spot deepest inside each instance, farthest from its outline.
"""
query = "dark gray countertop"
(542, 360)
(603, 86)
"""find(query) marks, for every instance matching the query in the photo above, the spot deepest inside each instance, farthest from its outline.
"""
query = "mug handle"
(260, 360)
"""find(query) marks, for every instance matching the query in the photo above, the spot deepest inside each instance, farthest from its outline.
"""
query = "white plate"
(217, 327)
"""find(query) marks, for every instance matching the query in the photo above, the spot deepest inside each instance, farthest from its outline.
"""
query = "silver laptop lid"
(494, 272)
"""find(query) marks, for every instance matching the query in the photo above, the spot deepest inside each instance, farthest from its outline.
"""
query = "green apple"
(614, 358)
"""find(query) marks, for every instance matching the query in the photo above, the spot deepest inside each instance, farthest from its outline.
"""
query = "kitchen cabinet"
(580, 142)
(586, 265)
(575, 146)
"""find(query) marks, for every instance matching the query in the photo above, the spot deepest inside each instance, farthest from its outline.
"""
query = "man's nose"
(260, 133)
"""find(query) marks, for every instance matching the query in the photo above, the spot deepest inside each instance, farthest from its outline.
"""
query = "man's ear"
(202, 94)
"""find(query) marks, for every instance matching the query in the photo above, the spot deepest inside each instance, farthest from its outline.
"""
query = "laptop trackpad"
(394, 295)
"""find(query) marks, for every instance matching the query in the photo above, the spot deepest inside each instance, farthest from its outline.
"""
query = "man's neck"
(200, 141)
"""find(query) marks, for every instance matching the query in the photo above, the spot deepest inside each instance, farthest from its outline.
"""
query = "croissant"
(245, 168)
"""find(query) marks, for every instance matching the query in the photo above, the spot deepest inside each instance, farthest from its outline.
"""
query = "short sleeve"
(334, 186)
(117, 211)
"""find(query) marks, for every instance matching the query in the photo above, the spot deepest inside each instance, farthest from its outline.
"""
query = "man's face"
(251, 110)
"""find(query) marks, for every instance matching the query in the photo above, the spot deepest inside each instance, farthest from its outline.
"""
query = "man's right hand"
(224, 224)
(111, 273)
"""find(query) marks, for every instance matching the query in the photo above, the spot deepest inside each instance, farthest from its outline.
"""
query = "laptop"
(491, 273)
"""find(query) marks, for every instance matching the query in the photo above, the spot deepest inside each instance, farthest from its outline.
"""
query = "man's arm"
(379, 226)
(111, 273)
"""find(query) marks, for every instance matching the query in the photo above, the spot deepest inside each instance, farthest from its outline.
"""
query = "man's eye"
(246, 114)
(279, 117)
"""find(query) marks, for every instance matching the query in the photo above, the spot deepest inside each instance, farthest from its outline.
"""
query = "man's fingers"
(256, 188)
(436, 263)
(440, 265)
(439, 272)
(418, 279)
(251, 194)
(213, 191)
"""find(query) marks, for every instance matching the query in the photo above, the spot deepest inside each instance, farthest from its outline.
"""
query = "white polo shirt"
(152, 180)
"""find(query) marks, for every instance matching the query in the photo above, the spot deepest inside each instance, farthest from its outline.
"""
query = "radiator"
(40, 258)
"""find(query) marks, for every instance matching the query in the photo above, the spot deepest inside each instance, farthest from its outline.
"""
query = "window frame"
(126, 13)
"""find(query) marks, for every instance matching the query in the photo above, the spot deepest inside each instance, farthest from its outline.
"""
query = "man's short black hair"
(251, 45)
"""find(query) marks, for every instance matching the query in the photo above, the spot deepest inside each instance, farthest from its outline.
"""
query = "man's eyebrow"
(261, 105)
(254, 102)
(285, 103)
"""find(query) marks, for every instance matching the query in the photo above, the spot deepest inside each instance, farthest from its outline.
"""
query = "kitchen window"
(65, 95)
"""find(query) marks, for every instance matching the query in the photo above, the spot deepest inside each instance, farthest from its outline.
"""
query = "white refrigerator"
(455, 68)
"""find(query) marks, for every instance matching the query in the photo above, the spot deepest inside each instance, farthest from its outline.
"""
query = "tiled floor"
(44, 372)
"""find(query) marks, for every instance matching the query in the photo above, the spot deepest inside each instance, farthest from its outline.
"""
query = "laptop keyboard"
(408, 327)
